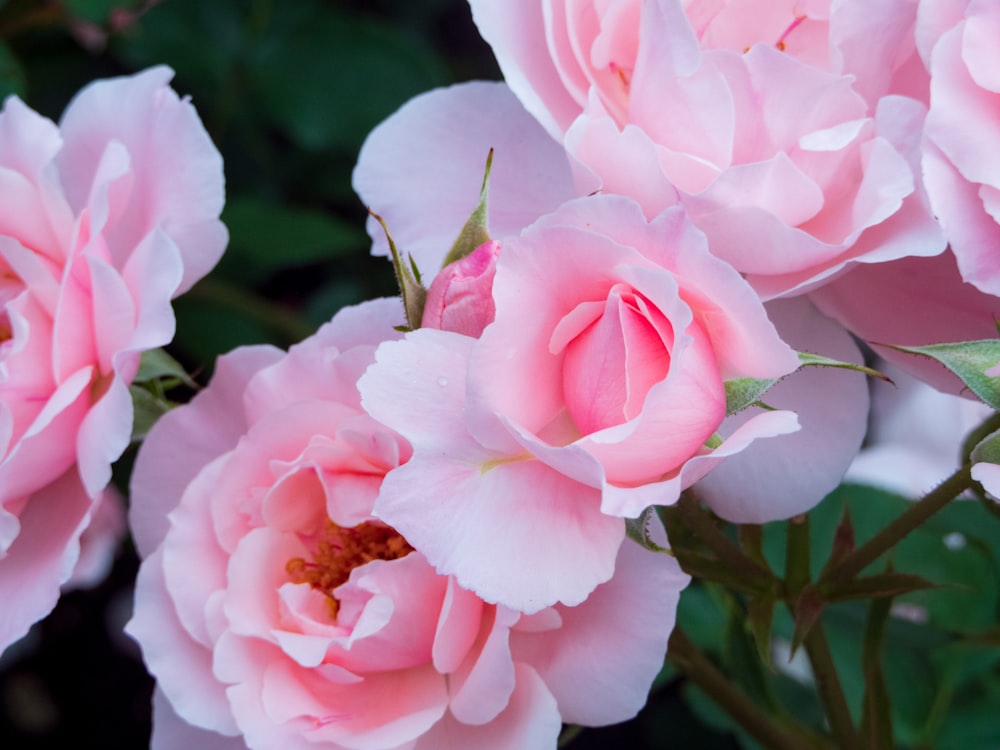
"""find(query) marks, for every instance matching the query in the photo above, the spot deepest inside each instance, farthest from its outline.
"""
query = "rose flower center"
(340, 550)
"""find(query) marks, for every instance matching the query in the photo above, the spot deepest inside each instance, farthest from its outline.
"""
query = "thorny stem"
(912, 518)
(727, 552)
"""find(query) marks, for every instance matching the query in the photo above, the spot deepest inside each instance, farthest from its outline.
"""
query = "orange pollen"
(340, 550)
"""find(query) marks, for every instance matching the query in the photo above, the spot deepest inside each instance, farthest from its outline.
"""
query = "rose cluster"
(416, 529)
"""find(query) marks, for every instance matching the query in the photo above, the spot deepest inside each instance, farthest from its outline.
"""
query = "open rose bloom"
(106, 217)
(746, 112)
(275, 609)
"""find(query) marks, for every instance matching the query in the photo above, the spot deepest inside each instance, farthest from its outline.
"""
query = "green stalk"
(830, 691)
(698, 668)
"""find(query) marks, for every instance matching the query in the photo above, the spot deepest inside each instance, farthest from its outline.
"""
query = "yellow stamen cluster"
(340, 550)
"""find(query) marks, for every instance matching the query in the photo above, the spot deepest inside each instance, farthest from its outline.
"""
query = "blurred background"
(288, 90)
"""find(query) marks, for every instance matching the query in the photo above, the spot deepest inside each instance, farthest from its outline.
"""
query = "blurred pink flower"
(274, 607)
(105, 218)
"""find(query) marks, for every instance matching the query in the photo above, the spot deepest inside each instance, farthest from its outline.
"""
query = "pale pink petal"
(184, 440)
(37, 213)
(99, 541)
(182, 666)
(171, 732)
(988, 475)
(327, 365)
(600, 663)
(972, 232)
(43, 555)
(359, 715)
(516, 32)
(521, 513)
(784, 476)
(482, 685)
(457, 627)
(177, 172)
(153, 273)
(530, 722)
(422, 170)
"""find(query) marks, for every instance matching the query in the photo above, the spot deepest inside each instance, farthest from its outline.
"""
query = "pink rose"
(961, 44)
(595, 393)
(554, 53)
(745, 112)
(460, 297)
(105, 218)
(275, 609)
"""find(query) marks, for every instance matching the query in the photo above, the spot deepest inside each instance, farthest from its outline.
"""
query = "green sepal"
(969, 360)
(987, 450)
(637, 529)
(156, 364)
(474, 233)
(743, 393)
(413, 293)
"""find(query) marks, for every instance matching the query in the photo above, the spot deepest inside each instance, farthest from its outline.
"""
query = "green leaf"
(637, 529)
(474, 233)
(146, 409)
(969, 360)
(987, 450)
(410, 289)
(156, 364)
